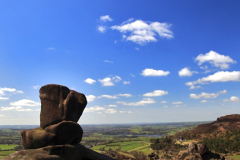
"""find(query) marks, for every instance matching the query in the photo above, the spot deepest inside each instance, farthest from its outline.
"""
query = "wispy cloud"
(215, 59)
(101, 29)
(26, 103)
(51, 49)
(126, 82)
(163, 102)
(106, 18)
(207, 95)
(108, 96)
(139, 103)
(178, 102)
(36, 87)
(107, 61)
(94, 109)
(124, 95)
(152, 72)
(142, 32)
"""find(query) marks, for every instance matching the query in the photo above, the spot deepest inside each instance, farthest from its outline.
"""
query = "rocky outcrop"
(58, 152)
(59, 134)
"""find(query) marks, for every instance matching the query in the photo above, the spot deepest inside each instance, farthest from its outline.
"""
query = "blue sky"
(136, 61)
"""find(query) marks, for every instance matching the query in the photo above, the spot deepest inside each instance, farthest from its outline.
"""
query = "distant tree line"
(165, 143)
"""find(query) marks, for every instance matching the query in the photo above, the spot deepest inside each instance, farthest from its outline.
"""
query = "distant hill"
(214, 129)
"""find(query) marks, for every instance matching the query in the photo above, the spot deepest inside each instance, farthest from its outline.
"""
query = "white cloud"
(234, 99)
(137, 48)
(51, 49)
(126, 82)
(132, 75)
(129, 112)
(16, 108)
(90, 81)
(112, 105)
(91, 98)
(36, 87)
(105, 18)
(94, 109)
(207, 95)
(106, 81)
(2, 116)
(155, 93)
(107, 61)
(195, 87)
(108, 96)
(220, 76)
(178, 102)
(25, 102)
(11, 90)
(109, 81)
(204, 101)
(165, 106)
(215, 59)
(142, 32)
(186, 72)
(163, 102)
(153, 72)
(101, 29)
(110, 111)
(124, 95)
(4, 98)
(225, 100)
(139, 103)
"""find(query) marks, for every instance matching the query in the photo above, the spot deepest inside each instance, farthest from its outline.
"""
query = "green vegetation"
(224, 144)
(6, 153)
(236, 157)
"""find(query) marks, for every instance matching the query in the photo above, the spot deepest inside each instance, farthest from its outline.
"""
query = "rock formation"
(59, 134)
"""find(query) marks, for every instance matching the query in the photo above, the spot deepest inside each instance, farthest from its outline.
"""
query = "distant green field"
(5, 153)
(7, 147)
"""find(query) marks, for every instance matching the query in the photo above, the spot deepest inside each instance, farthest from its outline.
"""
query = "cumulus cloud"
(215, 59)
(220, 76)
(234, 99)
(155, 93)
(101, 29)
(25, 102)
(153, 72)
(178, 102)
(109, 81)
(106, 18)
(110, 111)
(91, 98)
(126, 82)
(11, 90)
(204, 101)
(207, 95)
(186, 72)
(90, 81)
(139, 103)
(142, 32)
(108, 96)
(124, 95)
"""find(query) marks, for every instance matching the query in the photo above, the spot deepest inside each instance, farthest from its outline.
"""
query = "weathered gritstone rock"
(59, 103)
